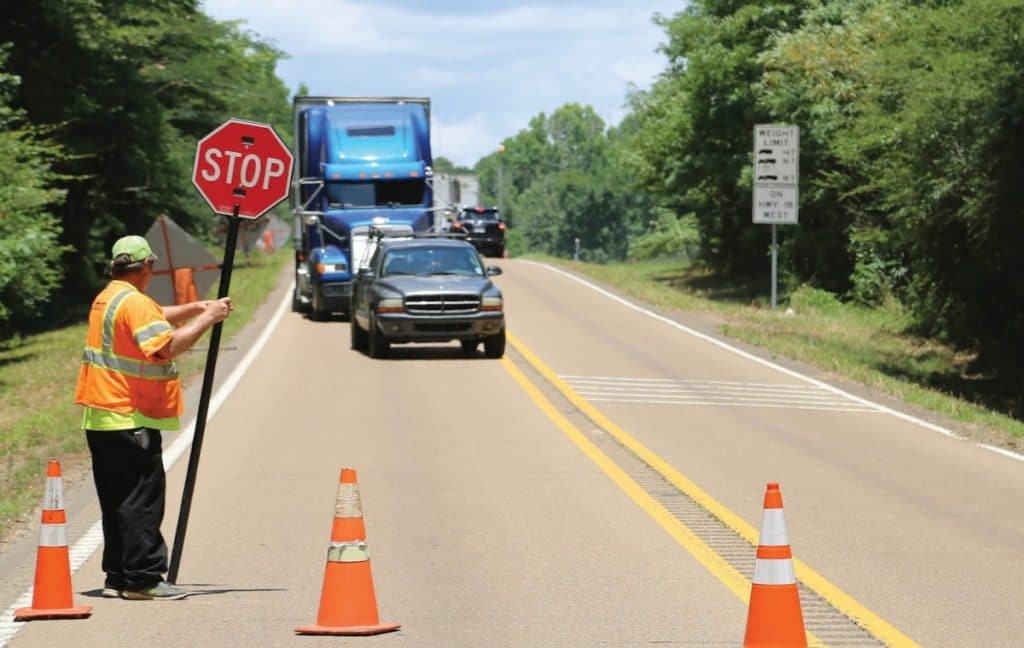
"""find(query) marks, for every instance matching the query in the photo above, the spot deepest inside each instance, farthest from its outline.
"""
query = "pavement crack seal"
(718, 538)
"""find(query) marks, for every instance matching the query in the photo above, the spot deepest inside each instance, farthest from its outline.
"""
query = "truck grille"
(337, 290)
(443, 304)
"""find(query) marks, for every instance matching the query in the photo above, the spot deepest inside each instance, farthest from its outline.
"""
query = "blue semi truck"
(360, 162)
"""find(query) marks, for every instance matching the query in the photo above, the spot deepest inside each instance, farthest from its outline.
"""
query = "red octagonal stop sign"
(244, 166)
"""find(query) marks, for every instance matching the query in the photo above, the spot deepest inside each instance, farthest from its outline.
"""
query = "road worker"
(129, 386)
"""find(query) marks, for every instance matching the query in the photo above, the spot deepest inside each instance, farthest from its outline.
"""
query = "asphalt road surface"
(600, 485)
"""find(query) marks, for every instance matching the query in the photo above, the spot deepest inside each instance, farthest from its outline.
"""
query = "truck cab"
(361, 163)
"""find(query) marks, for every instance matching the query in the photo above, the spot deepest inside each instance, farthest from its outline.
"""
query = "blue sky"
(488, 66)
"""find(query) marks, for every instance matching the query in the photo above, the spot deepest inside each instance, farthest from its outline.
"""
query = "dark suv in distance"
(484, 228)
(427, 290)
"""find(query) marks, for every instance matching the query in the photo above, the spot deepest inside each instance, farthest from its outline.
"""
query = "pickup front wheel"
(378, 344)
(358, 335)
(494, 346)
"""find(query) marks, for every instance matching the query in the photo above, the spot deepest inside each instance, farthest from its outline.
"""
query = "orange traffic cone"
(774, 619)
(51, 595)
(348, 605)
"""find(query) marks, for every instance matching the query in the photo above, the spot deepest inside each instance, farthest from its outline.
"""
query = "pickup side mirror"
(493, 270)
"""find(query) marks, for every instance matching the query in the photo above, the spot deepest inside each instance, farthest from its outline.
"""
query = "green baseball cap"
(136, 248)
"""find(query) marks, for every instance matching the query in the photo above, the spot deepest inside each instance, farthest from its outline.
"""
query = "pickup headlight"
(390, 305)
(492, 304)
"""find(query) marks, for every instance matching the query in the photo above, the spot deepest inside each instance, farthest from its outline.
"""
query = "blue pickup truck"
(360, 162)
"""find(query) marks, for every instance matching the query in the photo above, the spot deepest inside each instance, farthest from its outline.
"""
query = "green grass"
(37, 381)
(868, 346)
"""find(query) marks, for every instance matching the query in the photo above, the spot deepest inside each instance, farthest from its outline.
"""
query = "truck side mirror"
(493, 270)
(366, 271)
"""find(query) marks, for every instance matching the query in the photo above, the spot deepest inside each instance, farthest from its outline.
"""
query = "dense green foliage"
(696, 124)
(911, 147)
(125, 89)
(911, 113)
(29, 251)
(562, 179)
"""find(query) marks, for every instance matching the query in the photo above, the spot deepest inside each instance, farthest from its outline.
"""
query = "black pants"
(128, 469)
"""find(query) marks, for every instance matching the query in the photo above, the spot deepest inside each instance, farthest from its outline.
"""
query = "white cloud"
(488, 66)
(473, 134)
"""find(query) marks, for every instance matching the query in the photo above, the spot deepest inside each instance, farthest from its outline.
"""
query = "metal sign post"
(776, 182)
(242, 169)
(204, 403)
(775, 263)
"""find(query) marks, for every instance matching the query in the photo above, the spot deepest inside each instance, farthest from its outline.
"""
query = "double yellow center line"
(719, 567)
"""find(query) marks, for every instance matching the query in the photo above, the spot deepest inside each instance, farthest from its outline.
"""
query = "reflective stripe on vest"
(151, 331)
(109, 316)
(129, 366)
(105, 357)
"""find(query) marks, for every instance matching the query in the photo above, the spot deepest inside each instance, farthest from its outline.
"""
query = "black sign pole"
(204, 402)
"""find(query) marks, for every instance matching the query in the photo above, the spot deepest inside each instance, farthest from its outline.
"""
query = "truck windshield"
(378, 193)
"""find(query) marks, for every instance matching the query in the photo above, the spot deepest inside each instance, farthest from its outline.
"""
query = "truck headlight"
(390, 305)
(492, 304)
(331, 267)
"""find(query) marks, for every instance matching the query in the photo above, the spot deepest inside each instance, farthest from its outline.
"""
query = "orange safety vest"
(119, 370)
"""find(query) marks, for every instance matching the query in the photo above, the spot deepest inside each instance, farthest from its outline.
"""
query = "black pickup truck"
(484, 228)
(427, 290)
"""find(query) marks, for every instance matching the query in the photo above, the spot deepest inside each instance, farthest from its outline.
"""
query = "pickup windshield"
(432, 261)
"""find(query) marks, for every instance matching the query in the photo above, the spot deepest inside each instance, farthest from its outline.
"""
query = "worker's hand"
(218, 310)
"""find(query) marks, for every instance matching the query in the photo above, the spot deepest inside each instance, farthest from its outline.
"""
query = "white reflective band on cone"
(348, 552)
(773, 529)
(53, 500)
(53, 535)
(348, 505)
(774, 571)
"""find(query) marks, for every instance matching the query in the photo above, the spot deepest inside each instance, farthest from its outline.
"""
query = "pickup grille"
(443, 304)
(443, 327)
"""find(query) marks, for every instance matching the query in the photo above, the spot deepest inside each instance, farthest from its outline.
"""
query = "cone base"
(379, 628)
(774, 619)
(31, 614)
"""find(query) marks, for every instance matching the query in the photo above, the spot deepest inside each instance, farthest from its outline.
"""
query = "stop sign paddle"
(242, 169)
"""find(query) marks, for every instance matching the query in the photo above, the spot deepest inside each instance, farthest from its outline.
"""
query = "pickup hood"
(434, 284)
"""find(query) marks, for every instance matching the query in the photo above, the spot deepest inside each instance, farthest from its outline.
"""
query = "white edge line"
(83, 549)
(767, 363)
(1003, 451)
